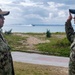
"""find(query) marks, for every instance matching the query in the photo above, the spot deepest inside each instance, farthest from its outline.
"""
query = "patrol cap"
(72, 11)
(4, 13)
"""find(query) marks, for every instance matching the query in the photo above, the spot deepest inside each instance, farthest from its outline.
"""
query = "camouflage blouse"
(6, 63)
(71, 37)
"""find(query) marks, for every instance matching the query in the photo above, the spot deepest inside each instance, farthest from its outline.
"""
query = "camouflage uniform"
(6, 63)
(71, 37)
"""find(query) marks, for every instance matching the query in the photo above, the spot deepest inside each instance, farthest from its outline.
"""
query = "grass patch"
(16, 42)
(59, 47)
(30, 69)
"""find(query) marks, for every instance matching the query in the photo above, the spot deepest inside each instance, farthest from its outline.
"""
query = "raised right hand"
(70, 17)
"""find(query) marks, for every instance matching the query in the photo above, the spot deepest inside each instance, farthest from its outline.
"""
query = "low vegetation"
(57, 45)
(34, 69)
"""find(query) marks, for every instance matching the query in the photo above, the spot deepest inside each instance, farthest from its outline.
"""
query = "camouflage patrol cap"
(4, 13)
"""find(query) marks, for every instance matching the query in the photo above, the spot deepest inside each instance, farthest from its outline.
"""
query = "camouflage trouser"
(72, 63)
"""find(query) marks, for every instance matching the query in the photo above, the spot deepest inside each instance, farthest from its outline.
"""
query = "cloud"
(25, 4)
(5, 2)
(36, 11)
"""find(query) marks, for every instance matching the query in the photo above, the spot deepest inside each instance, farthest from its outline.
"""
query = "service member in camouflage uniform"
(6, 63)
(71, 37)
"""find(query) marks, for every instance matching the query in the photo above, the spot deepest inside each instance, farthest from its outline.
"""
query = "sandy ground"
(35, 40)
(32, 40)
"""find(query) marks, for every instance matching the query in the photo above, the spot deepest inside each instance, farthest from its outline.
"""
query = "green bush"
(8, 32)
(48, 34)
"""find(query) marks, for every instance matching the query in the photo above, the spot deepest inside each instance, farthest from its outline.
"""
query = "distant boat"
(33, 25)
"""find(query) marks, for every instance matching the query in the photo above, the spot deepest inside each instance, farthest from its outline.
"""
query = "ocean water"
(34, 29)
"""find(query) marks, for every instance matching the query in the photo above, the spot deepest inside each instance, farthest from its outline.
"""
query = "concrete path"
(40, 59)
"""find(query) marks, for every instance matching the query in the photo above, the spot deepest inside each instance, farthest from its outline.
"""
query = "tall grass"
(59, 47)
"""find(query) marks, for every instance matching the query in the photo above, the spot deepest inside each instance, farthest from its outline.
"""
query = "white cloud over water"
(37, 11)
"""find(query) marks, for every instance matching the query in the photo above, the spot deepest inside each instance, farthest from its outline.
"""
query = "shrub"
(8, 32)
(48, 34)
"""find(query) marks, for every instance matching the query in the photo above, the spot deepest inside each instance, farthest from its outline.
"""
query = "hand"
(70, 17)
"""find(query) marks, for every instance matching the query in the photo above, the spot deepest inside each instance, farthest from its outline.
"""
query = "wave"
(27, 25)
(20, 25)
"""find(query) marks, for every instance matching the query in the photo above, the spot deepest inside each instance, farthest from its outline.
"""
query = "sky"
(37, 11)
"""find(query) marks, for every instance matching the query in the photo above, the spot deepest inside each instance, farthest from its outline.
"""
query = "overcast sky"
(37, 11)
